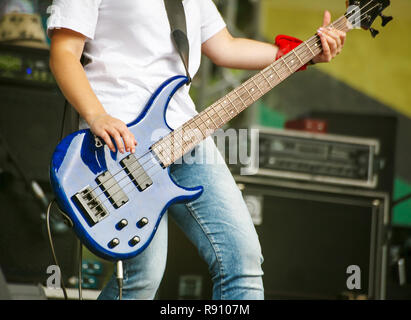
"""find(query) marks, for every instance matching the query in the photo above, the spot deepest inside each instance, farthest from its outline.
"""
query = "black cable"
(402, 199)
(63, 287)
(63, 121)
(80, 266)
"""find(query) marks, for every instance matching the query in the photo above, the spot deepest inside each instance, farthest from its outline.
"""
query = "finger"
(107, 139)
(117, 138)
(127, 137)
(335, 36)
(327, 18)
(133, 149)
(326, 48)
(331, 43)
(343, 36)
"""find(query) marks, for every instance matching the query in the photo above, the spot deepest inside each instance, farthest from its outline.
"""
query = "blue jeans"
(219, 225)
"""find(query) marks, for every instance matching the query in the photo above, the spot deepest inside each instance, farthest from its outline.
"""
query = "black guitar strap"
(178, 26)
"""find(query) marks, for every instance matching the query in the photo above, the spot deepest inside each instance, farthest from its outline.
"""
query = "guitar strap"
(178, 27)
(177, 19)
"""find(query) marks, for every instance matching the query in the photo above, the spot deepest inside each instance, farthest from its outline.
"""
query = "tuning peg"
(385, 19)
(374, 32)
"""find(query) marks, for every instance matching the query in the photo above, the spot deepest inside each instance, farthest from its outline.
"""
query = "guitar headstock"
(362, 14)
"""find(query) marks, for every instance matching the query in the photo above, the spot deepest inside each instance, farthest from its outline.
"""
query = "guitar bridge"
(92, 208)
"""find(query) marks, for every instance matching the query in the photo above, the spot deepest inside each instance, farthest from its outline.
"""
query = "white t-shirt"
(131, 51)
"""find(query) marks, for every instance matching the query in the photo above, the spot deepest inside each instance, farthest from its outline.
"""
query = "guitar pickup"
(112, 189)
(136, 172)
(92, 208)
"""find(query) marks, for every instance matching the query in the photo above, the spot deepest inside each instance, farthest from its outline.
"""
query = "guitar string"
(337, 23)
(244, 85)
(147, 170)
(218, 103)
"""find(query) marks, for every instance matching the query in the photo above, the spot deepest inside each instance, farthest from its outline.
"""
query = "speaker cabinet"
(31, 112)
(310, 236)
(31, 108)
(25, 251)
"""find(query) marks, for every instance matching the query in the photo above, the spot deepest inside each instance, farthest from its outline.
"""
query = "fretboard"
(173, 146)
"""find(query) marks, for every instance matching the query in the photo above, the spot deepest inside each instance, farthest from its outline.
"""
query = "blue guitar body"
(114, 202)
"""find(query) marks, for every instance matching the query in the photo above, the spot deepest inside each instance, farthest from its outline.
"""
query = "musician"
(130, 53)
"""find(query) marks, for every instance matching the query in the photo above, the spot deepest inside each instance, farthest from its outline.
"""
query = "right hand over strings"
(107, 127)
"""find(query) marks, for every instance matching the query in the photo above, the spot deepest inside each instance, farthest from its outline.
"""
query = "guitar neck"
(173, 146)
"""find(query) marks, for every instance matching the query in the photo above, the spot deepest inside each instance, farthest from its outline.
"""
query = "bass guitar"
(116, 201)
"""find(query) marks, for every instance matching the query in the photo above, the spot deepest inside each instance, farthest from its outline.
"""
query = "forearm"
(239, 53)
(74, 84)
(249, 54)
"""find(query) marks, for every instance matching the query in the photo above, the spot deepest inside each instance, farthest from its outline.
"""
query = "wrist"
(92, 118)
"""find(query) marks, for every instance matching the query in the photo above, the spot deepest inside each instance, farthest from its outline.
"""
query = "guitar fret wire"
(148, 152)
(128, 175)
(225, 112)
(297, 56)
(286, 64)
(256, 84)
(204, 135)
(309, 48)
(206, 124)
(198, 124)
(245, 87)
(212, 120)
(195, 129)
(317, 41)
(250, 90)
(263, 77)
(290, 60)
(233, 104)
(240, 95)
(165, 150)
(241, 99)
(273, 67)
(266, 79)
(132, 180)
(219, 115)
(176, 139)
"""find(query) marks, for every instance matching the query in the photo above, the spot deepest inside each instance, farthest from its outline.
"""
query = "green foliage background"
(378, 67)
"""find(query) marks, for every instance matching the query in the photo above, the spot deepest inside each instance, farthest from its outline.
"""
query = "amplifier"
(310, 234)
(23, 65)
(31, 109)
(315, 157)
